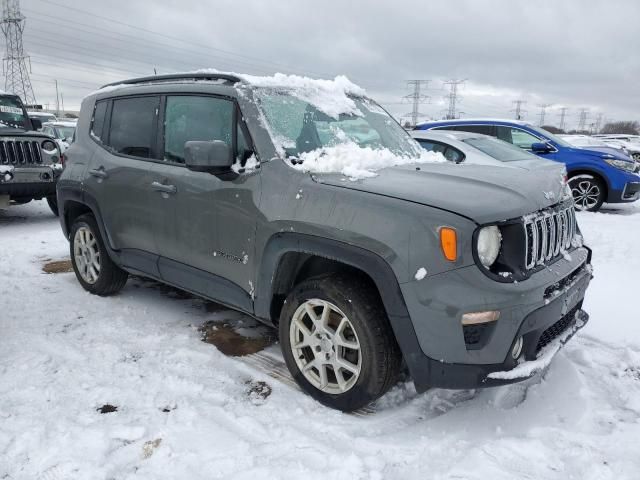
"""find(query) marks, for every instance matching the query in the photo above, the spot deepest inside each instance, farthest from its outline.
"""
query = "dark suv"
(30, 161)
(304, 204)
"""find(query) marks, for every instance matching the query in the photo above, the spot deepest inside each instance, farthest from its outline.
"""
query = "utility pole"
(543, 109)
(416, 98)
(518, 109)
(563, 116)
(582, 122)
(14, 64)
(453, 98)
(62, 99)
(57, 100)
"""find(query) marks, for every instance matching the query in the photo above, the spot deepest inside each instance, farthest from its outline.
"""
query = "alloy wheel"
(325, 346)
(86, 255)
(585, 194)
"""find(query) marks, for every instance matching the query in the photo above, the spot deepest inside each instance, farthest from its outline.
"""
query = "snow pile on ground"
(358, 162)
(123, 387)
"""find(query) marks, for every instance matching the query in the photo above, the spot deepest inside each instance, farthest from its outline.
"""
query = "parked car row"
(595, 176)
(305, 205)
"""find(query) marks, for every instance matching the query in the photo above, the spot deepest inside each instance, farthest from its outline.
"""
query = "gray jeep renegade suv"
(231, 187)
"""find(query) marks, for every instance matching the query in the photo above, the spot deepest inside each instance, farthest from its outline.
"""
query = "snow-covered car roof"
(465, 121)
(61, 123)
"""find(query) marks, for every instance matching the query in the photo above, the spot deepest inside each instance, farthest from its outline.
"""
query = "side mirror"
(540, 147)
(213, 157)
(36, 123)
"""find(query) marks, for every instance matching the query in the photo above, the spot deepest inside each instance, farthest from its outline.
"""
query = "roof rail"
(177, 76)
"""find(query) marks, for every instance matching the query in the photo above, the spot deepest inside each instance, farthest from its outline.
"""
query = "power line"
(543, 109)
(15, 61)
(519, 112)
(416, 98)
(453, 97)
(563, 116)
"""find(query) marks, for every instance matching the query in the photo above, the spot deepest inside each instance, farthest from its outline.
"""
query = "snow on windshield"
(358, 162)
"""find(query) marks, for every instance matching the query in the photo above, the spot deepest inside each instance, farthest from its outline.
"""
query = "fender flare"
(370, 263)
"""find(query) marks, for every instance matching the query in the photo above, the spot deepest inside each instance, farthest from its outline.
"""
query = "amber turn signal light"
(449, 243)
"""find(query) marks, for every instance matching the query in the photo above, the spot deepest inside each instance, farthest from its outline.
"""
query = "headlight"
(49, 146)
(489, 243)
(621, 164)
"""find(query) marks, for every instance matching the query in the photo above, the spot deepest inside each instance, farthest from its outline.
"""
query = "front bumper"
(541, 309)
(29, 182)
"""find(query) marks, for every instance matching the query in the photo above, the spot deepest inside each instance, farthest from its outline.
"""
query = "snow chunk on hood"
(357, 162)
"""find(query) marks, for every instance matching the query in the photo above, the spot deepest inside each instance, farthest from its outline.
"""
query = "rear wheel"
(95, 271)
(337, 341)
(588, 192)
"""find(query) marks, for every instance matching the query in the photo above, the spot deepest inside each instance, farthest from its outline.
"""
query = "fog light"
(475, 318)
(517, 348)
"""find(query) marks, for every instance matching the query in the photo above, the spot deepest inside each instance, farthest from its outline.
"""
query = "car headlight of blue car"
(621, 164)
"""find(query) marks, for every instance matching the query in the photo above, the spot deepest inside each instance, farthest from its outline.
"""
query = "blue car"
(595, 177)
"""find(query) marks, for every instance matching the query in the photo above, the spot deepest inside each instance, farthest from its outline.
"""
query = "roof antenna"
(154, 71)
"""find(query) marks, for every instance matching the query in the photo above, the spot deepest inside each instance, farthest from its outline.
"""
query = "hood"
(479, 192)
(20, 132)
(597, 152)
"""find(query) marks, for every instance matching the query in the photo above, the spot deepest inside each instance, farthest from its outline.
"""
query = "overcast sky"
(572, 53)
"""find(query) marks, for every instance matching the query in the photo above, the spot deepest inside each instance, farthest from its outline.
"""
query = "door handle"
(161, 187)
(98, 172)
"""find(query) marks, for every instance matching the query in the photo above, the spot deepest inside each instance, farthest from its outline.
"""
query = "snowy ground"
(186, 411)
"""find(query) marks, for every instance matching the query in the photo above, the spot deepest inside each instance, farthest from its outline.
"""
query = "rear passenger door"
(207, 242)
(119, 177)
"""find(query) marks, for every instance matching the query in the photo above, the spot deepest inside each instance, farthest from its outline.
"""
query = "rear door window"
(132, 128)
(483, 129)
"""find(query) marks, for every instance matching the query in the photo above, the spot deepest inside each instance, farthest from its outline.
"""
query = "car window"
(97, 122)
(191, 117)
(483, 129)
(522, 139)
(47, 131)
(453, 155)
(432, 146)
(133, 125)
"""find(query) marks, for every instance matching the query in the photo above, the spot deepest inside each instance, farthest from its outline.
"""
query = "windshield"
(65, 132)
(502, 151)
(550, 136)
(12, 114)
(298, 126)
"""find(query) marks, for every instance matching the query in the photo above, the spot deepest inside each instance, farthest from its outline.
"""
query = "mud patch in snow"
(58, 266)
(257, 391)
(231, 342)
(107, 408)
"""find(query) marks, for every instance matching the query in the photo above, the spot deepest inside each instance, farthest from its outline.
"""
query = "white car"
(43, 116)
(62, 131)
(631, 143)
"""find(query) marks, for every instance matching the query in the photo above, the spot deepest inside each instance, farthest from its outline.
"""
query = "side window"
(133, 125)
(97, 122)
(431, 146)
(483, 129)
(453, 155)
(190, 117)
(504, 134)
(522, 139)
(47, 131)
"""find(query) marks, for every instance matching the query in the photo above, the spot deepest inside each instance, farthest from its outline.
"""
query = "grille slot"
(20, 152)
(556, 329)
(547, 234)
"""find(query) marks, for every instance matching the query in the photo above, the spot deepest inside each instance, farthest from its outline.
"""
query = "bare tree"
(628, 127)
(552, 129)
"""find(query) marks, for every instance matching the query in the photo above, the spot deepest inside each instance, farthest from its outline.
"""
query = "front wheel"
(95, 271)
(337, 341)
(588, 192)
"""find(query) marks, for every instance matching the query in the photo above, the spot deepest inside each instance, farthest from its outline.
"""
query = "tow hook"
(6, 175)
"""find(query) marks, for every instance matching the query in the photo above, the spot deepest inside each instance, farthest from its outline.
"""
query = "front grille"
(548, 233)
(20, 152)
(556, 329)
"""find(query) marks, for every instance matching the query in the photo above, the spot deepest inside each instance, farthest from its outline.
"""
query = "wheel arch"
(290, 257)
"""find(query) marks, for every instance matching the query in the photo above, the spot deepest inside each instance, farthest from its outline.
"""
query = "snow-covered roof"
(478, 119)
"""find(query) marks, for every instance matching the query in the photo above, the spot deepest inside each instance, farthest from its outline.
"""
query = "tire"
(87, 249)
(367, 327)
(53, 204)
(588, 192)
